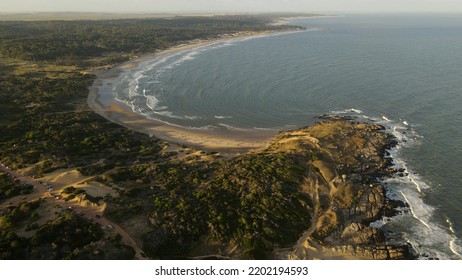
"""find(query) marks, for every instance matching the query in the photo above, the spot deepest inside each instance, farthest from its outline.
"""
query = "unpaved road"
(93, 214)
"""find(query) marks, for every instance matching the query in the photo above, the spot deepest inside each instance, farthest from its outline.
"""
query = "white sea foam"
(411, 187)
(166, 113)
(417, 223)
(273, 34)
(134, 85)
(161, 111)
(426, 234)
(174, 60)
(230, 127)
(151, 102)
(192, 117)
(265, 129)
(161, 108)
(347, 111)
(386, 119)
(207, 127)
(152, 117)
(140, 76)
(181, 58)
(152, 72)
(412, 178)
(419, 211)
(455, 248)
(126, 102)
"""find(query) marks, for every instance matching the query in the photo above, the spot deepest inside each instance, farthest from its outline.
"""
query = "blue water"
(403, 71)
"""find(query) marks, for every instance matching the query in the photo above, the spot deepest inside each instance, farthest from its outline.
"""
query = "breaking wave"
(417, 224)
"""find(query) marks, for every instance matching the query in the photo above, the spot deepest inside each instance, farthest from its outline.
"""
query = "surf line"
(453, 239)
(413, 213)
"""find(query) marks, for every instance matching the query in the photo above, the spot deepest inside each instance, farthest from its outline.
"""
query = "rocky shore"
(349, 159)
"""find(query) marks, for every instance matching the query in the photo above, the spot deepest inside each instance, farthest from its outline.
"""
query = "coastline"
(430, 230)
(285, 20)
(355, 241)
(351, 162)
(225, 141)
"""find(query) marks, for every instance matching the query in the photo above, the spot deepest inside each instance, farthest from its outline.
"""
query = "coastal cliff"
(348, 160)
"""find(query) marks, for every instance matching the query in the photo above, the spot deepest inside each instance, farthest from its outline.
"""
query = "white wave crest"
(230, 127)
(418, 225)
(419, 211)
(192, 117)
(151, 102)
(455, 248)
(265, 129)
(347, 111)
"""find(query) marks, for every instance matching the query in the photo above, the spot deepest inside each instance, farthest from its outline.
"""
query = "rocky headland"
(348, 159)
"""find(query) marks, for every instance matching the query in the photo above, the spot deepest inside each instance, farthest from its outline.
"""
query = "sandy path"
(96, 216)
(92, 213)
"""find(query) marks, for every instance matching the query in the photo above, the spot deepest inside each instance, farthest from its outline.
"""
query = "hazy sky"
(231, 5)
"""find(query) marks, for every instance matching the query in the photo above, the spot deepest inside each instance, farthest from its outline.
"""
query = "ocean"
(403, 71)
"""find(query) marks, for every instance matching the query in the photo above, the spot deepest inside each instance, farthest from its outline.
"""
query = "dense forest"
(253, 201)
(70, 41)
(68, 236)
(35, 111)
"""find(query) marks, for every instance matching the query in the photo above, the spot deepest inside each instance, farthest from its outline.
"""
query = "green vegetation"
(36, 105)
(10, 188)
(38, 41)
(44, 125)
(14, 215)
(67, 237)
(252, 201)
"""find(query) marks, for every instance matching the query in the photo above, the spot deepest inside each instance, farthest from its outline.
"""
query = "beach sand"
(225, 141)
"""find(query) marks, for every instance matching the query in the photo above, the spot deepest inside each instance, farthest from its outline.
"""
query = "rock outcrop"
(347, 160)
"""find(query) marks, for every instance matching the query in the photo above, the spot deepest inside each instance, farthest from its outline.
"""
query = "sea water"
(402, 71)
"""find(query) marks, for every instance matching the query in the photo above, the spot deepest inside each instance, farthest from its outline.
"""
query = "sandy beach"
(101, 100)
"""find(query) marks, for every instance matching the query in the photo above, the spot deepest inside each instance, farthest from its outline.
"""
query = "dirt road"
(92, 213)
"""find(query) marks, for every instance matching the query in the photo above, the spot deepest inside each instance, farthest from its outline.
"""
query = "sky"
(171, 6)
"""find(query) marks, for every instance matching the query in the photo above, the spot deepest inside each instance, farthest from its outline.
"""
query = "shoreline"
(231, 143)
(285, 20)
(100, 100)
(349, 191)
